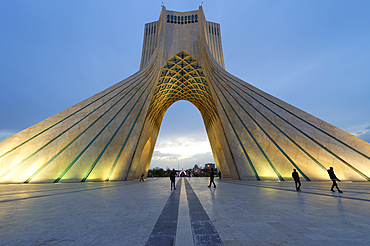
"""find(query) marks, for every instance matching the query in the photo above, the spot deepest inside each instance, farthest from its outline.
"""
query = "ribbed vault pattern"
(182, 78)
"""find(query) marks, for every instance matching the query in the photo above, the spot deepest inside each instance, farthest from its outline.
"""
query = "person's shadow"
(301, 202)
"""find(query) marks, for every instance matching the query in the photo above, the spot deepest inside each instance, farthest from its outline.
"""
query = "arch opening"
(182, 78)
(182, 141)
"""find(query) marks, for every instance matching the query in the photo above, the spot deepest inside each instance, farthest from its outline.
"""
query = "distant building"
(196, 168)
(210, 165)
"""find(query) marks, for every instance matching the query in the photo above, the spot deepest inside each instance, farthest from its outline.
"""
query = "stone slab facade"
(111, 135)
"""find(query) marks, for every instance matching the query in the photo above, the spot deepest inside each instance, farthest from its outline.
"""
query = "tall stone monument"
(111, 135)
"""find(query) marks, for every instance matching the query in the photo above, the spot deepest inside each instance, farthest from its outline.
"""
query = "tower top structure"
(181, 31)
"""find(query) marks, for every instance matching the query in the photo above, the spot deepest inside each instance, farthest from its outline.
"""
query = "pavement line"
(204, 233)
(184, 234)
(164, 231)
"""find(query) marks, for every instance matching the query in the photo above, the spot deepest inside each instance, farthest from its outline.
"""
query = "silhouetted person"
(219, 174)
(334, 178)
(142, 177)
(212, 177)
(172, 178)
(296, 180)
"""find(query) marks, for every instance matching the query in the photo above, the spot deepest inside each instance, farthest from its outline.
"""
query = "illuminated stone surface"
(112, 135)
(242, 212)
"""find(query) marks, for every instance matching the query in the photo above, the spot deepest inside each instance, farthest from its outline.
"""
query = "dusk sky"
(312, 54)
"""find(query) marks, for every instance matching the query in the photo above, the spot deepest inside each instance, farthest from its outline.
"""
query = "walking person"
(297, 181)
(172, 178)
(212, 178)
(219, 174)
(142, 177)
(334, 178)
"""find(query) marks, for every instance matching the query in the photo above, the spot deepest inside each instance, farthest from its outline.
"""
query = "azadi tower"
(111, 135)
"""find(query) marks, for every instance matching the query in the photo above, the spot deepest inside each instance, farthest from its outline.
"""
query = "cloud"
(364, 135)
(159, 154)
(181, 152)
(185, 163)
(183, 147)
(5, 134)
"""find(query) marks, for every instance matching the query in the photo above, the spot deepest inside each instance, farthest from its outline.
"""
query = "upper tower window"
(181, 19)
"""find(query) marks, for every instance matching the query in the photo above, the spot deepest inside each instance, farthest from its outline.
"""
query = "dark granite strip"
(204, 233)
(164, 231)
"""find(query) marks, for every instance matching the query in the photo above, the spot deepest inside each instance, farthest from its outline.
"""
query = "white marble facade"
(111, 135)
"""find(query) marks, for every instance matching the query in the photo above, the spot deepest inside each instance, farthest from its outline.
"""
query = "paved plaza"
(139, 213)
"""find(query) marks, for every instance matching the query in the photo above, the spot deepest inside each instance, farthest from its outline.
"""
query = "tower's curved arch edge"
(111, 135)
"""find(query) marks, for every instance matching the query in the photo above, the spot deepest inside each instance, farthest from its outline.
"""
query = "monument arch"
(111, 135)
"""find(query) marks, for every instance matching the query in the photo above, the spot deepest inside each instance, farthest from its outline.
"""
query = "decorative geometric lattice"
(182, 78)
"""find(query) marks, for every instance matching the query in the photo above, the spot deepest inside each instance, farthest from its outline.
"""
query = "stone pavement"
(135, 213)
